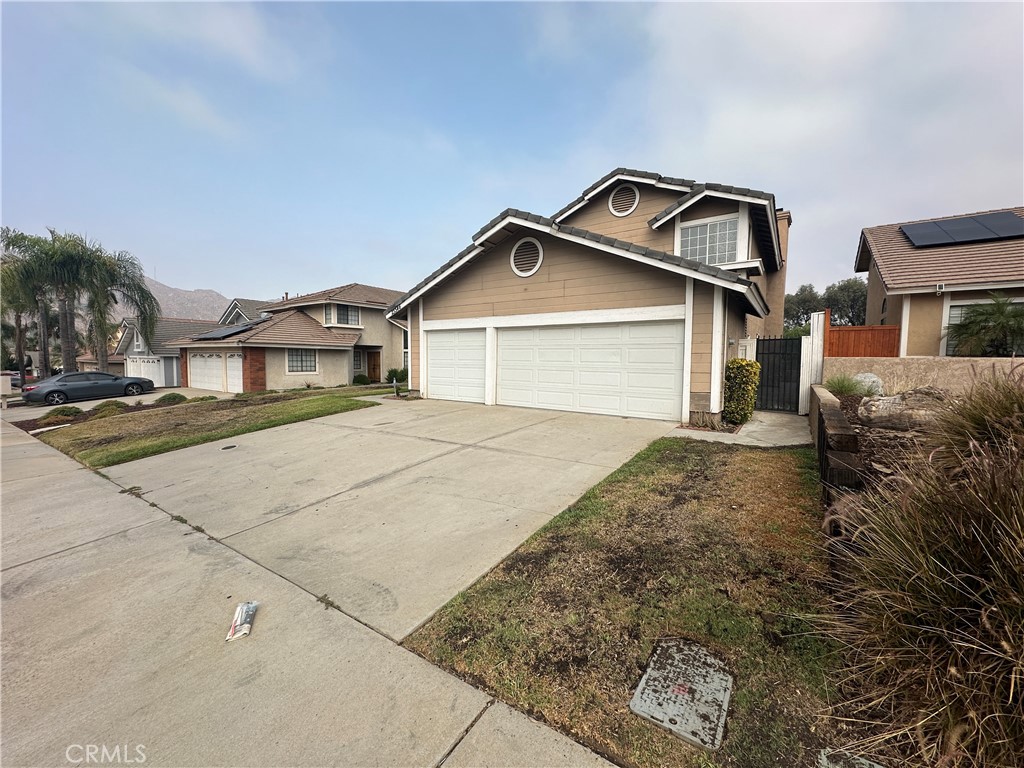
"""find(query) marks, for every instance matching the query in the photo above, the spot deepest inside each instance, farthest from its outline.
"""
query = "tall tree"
(25, 259)
(70, 260)
(848, 300)
(800, 306)
(114, 278)
(993, 329)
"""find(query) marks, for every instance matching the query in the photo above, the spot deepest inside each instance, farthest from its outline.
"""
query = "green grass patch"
(712, 542)
(132, 436)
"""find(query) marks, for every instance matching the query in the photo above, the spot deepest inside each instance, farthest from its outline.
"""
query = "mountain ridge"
(198, 304)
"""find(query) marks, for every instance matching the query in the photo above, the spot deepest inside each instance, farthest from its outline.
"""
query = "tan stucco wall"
(876, 292)
(925, 334)
(571, 277)
(633, 228)
(899, 374)
(735, 325)
(379, 332)
(334, 368)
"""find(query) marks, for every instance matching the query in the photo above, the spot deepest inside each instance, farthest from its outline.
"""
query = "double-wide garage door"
(219, 371)
(625, 369)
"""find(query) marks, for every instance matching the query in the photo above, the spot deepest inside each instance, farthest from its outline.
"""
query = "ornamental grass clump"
(929, 591)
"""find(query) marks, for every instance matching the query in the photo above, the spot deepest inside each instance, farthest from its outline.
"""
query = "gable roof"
(166, 330)
(905, 268)
(290, 328)
(250, 308)
(352, 293)
(623, 174)
(513, 219)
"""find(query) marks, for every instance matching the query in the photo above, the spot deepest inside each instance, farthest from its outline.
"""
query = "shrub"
(741, 376)
(928, 599)
(360, 378)
(401, 375)
(108, 408)
(202, 399)
(171, 398)
(843, 384)
(53, 419)
(64, 410)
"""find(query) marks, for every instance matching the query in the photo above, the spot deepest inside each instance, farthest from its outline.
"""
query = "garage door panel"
(455, 365)
(206, 371)
(627, 369)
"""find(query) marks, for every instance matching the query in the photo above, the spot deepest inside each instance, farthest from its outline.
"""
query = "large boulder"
(908, 410)
(871, 383)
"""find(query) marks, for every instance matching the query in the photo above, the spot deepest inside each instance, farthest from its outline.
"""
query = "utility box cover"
(685, 690)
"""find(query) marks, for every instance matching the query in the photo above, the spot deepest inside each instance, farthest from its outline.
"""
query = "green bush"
(741, 377)
(203, 399)
(64, 410)
(360, 378)
(53, 419)
(108, 408)
(928, 592)
(844, 384)
(171, 398)
(401, 375)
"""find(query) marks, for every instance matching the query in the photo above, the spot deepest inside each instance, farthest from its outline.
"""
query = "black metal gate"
(779, 387)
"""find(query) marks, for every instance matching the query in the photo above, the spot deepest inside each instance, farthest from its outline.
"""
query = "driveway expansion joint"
(490, 703)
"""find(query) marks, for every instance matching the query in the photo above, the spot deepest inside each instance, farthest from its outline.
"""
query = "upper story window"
(711, 243)
(346, 315)
(327, 314)
(138, 342)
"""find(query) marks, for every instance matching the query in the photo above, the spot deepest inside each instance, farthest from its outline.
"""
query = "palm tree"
(992, 329)
(113, 278)
(69, 261)
(24, 274)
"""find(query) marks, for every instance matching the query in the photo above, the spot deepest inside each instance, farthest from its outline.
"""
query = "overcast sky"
(257, 149)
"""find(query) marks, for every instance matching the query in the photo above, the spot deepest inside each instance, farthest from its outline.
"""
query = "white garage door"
(628, 369)
(146, 367)
(455, 365)
(234, 372)
(206, 370)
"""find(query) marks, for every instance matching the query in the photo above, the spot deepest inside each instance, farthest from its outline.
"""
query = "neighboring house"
(319, 339)
(88, 362)
(158, 359)
(627, 302)
(242, 311)
(921, 274)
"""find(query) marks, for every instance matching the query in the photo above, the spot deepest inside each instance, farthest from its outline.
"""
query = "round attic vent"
(623, 200)
(527, 257)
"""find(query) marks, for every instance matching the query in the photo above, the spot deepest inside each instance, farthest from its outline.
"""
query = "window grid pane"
(301, 361)
(327, 314)
(712, 243)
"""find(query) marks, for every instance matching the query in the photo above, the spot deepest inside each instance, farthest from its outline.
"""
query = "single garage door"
(234, 371)
(146, 367)
(455, 365)
(627, 369)
(206, 370)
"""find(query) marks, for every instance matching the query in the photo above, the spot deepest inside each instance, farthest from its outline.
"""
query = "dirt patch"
(849, 404)
(690, 539)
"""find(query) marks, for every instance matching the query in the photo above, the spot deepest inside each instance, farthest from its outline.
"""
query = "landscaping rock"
(908, 410)
(871, 383)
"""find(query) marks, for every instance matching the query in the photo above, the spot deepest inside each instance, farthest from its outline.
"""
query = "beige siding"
(700, 346)
(571, 277)
(414, 346)
(334, 368)
(735, 324)
(633, 228)
(706, 208)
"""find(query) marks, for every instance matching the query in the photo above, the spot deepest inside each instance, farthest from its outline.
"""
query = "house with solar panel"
(157, 358)
(923, 274)
(321, 339)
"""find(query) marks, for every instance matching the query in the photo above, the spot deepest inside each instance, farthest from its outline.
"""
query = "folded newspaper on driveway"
(242, 623)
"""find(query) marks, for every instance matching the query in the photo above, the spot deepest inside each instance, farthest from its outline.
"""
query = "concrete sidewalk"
(766, 429)
(113, 632)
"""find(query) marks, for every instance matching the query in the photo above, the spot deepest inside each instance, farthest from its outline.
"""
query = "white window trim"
(316, 360)
(540, 258)
(636, 200)
(137, 343)
(742, 241)
(948, 302)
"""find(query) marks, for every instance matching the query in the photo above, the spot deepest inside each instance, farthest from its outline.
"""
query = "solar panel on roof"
(223, 333)
(965, 229)
(926, 234)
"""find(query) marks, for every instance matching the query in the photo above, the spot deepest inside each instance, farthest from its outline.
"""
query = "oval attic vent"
(624, 199)
(526, 257)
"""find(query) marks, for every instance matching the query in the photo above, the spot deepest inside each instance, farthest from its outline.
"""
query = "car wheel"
(56, 398)
(133, 389)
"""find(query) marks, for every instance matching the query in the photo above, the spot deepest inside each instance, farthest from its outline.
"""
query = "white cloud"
(181, 99)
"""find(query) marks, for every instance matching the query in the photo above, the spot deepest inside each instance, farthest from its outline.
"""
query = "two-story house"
(318, 339)
(628, 301)
(157, 358)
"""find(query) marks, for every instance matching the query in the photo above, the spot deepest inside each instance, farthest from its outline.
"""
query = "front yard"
(103, 442)
(689, 539)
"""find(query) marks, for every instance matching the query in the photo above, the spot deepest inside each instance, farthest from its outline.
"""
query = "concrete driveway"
(114, 614)
(390, 511)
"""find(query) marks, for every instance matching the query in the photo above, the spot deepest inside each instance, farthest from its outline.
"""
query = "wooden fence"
(861, 340)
